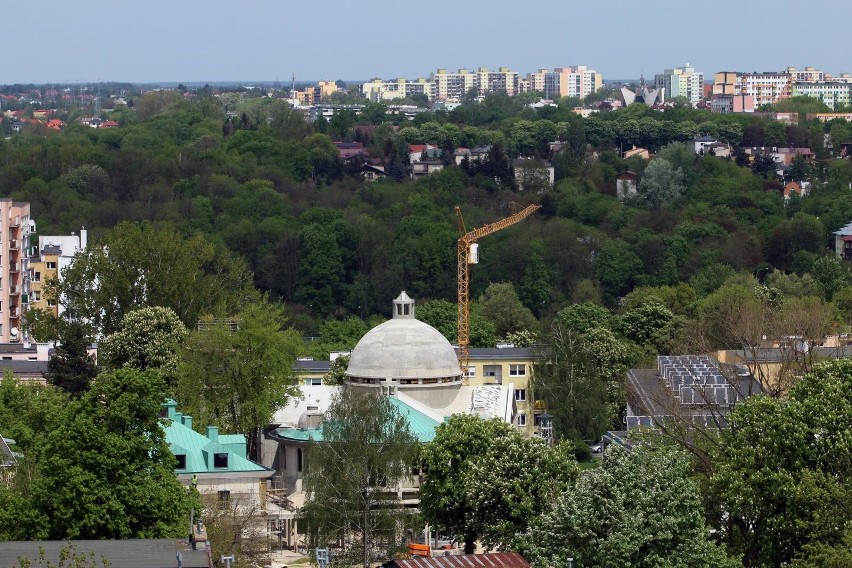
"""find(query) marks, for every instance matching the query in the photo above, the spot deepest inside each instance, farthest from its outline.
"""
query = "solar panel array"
(697, 380)
(637, 421)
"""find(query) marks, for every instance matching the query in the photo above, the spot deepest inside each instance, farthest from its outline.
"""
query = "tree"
(149, 338)
(580, 376)
(652, 324)
(661, 183)
(237, 378)
(138, 266)
(443, 316)
(501, 306)
(447, 461)
(365, 449)
(782, 470)
(513, 483)
(639, 508)
(107, 471)
(72, 368)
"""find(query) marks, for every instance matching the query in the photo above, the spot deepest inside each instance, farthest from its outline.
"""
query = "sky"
(151, 41)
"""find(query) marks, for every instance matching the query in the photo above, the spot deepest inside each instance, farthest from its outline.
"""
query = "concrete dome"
(404, 350)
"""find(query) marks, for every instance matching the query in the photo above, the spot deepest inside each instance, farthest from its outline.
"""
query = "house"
(423, 152)
(216, 462)
(637, 152)
(109, 124)
(479, 153)
(625, 184)
(348, 150)
(55, 124)
(533, 174)
(459, 154)
(843, 243)
(795, 187)
(425, 167)
(703, 143)
(373, 173)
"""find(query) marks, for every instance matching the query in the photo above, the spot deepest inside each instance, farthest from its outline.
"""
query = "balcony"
(13, 268)
(14, 290)
(13, 244)
(14, 312)
(14, 223)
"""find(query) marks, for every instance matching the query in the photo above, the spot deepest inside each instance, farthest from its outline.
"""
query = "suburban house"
(625, 184)
(533, 174)
(843, 243)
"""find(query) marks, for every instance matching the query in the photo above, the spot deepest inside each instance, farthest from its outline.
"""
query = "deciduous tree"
(352, 473)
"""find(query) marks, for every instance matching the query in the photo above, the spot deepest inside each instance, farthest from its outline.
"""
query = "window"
(51, 303)
(36, 277)
(517, 370)
(470, 371)
(36, 296)
(521, 395)
(522, 419)
(51, 265)
(220, 460)
(313, 382)
(298, 459)
(181, 461)
(224, 496)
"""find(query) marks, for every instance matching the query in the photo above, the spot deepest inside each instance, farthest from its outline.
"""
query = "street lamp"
(570, 562)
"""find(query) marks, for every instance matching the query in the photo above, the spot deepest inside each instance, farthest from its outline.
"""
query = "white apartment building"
(766, 88)
(834, 95)
(378, 90)
(452, 86)
(681, 82)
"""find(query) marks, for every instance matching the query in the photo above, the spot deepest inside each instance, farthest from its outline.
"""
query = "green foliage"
(479, 484)
(638, 508)
(661, 183)
(72, 368)
(336, 374)
(365, 451)
(237, 379)
(443, 316)
(140, 266)
(500, 305)
(782, 469)
(149, 338)
(651, 324)
(107, 471)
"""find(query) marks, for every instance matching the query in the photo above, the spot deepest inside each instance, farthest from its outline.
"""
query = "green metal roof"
(200, 450)
(421, 426)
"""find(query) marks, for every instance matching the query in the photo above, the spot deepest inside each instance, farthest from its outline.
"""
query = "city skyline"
(268, 41)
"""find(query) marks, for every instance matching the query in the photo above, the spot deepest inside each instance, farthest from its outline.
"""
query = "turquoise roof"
(200, 450)
(421, 426)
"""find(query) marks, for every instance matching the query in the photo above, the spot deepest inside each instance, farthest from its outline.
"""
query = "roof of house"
(199, 449)
(491, 560)
(129, 553)
(25, 368)
(844, 231)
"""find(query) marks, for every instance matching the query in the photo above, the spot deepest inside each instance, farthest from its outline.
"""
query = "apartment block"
(453, 86)
(578, 81)
(834, 95)
(15, 229)
(47, 261)
(681, 82)
(766, 88)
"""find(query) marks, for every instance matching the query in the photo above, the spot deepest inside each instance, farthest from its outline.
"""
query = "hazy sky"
(264, 40)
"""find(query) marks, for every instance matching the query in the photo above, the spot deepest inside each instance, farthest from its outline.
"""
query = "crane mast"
(464, 259)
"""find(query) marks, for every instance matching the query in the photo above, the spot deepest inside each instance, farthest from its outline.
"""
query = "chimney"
(187, 421)
(84, 238)
(213, 433)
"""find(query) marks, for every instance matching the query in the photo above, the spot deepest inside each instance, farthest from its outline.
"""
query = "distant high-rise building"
(15, 229)
(47, 261)
(681, 82)
(578, 81)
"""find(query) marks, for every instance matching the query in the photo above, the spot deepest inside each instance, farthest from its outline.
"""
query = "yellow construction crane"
(468, 253)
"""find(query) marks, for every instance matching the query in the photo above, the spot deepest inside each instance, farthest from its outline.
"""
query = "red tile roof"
(494, 560)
